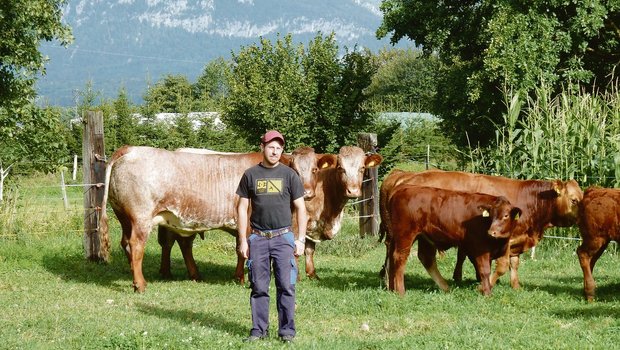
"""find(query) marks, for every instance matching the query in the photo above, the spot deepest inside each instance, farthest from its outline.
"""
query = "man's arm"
(242, 225)
(302, 223)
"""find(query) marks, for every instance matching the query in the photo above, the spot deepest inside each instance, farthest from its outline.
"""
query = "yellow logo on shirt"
(265, 186)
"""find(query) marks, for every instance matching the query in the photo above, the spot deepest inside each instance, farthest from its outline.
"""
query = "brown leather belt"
(271, 233)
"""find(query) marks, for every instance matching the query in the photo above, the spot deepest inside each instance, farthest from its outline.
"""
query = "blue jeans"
(264, 252)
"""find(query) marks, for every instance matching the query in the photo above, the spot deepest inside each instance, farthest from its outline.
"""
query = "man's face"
(272, 152)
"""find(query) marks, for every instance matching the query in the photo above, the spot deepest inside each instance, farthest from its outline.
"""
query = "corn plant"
(567, 136)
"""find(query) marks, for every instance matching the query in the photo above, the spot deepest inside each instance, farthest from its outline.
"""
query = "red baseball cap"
(272, 135)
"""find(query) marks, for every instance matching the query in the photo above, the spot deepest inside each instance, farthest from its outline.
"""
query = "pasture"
(52, 298)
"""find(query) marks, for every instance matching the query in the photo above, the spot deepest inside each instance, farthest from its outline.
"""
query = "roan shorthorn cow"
(599, 224)
(184, 192)
(544, 204)
(479, 224)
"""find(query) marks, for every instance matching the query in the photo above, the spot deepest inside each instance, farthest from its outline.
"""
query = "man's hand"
(299, 248)
(243, 248)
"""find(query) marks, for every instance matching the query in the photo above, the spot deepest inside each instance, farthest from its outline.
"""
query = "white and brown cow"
(339, 179)
(186, 193)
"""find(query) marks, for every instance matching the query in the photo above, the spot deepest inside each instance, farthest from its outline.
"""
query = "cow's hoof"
(139, 288)
(313, 276)
(196, 278)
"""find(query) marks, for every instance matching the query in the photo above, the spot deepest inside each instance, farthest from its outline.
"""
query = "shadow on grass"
(206, 320)
(557, 286)
(593, 310)
(75, 267)
(344, 278)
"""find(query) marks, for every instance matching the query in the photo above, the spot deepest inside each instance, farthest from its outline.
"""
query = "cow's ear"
(515, 213)
(485, 211)
(286, 159)
(557, 187)
(372, 160)
(327, 161)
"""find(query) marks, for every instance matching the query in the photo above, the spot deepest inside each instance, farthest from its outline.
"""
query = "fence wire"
(50, 205)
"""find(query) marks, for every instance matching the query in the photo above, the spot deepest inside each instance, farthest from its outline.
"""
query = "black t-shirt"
(271, 192)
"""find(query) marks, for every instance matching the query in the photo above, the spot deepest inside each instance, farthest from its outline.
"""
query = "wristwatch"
(302, 241)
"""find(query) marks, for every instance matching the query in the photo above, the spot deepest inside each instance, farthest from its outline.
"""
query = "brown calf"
(599, 223)
(480, 224)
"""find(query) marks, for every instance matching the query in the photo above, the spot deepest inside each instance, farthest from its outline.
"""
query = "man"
(272, 190)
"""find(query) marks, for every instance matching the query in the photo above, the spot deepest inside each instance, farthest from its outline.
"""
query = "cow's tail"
(104, 237)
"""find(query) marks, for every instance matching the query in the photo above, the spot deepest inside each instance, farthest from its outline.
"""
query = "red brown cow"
(480, 224)
(544, 204)
(184, 192)
(339, 180)
(599, 223)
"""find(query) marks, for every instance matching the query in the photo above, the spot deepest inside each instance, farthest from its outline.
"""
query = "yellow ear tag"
(517, 216)
(324, 165)
(485, 213)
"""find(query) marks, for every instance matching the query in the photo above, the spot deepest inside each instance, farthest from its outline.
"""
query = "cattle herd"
(191, 191)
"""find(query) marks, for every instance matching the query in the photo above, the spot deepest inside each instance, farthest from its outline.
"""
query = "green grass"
(52, 298)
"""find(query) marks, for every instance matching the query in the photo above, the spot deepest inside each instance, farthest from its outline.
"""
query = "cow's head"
(307, 164)
(503, 217)
(567, 195)
(350, 165)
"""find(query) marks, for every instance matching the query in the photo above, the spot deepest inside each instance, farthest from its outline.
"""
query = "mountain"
(133, 43)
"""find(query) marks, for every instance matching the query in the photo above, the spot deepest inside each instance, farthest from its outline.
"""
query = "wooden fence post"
(369, 202)
(63, 190)
(94, 177)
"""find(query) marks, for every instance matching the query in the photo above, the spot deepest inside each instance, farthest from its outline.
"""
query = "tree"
(312, 96)
(488, 45)
(36, 142)
(171, 94)
(23, 25)
(23, 126)
(211, 87)
(267, 92)
(404, 82)
(125, 122)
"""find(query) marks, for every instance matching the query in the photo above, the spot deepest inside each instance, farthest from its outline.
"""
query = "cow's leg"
(501, 266)
(136, 245)
(457, 275)
(597, 255)
(166, 239)
(514, 272)
(126, 234)
(309, 252)
(400, 247)
(586, 253)
(137, 255)
(239, 269)
(384, 233)
(427, 254)
(483, 268)
(186, 245)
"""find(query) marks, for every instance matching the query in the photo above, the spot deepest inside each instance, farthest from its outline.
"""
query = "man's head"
(272, 145)
(272, 135)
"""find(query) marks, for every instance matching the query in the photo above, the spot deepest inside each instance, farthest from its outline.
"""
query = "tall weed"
(567, 136)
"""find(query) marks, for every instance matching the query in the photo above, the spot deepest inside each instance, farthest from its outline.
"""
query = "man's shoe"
(287, 338)
(252, 338)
